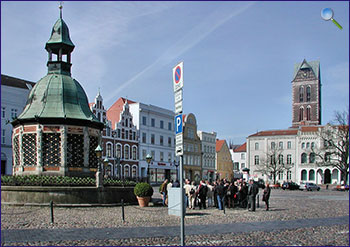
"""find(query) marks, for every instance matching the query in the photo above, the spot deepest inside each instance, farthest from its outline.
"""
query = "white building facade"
(208, 143)
(239, 159)
(14, 94)
(155, 126)
(295, 149)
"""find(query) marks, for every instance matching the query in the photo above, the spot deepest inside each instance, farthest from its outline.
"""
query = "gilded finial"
(60, 7)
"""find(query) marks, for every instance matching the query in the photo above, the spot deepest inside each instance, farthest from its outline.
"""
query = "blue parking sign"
(178, 124)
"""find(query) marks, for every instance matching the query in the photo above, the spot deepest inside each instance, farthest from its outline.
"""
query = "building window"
(152, 139)
(144, 138)
(289, 144)
(303, 158)
(3, 137)
(280, 175)
(280, 159)
(126, 152)
(280, 145)
(153, 154)
(289, 175)
(190, 133)
(242, 165)
(13, 113)
(153, 122)
(126, 171)
(161, 154)
(144, 120)
(308, 145)
(144, 154)
(289, 159)
(123, 134)
(311, 175)
(161, 141)
(169, 141)
(242, 156)
(134, 172)
(126, 134)
(134, 153)
(312, 145)
(301, 114)
(303, 175)
(273, 145)
(118, 133)
(308, 113)
(256, 159)
(256, 146)
(119, 151)
(109, 150)
(303, 145)
(161, 124)
(3, 112)
(308, 94)
(169, 157)
(301, 94)
(169, 126)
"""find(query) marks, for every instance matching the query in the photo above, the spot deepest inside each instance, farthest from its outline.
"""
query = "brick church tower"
(306, 94)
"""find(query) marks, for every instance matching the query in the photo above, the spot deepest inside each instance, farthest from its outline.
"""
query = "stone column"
(86, 147)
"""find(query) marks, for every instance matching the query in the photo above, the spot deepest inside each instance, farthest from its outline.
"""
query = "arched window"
(256, 146)
(301, 94)
(109, 150)
(308, 93)
(311, 175)
(126, 152)
(308, 113)
(134, 153)
(312, 158)
(118, 152)
(301, 114)
(134, 172)
(126, 171)
(303, 175)
(303, 158)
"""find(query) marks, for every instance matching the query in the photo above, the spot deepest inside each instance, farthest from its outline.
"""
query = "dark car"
(290, 186)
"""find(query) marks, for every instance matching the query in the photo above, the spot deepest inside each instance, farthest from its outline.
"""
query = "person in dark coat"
(243, 195)
(220, 191)
(202, 195)
(252, 192)
(266, 195)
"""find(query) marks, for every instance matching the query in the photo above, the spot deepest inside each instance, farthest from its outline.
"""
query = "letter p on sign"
(178, 124)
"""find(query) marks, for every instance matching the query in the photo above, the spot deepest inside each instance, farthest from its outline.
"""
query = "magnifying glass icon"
(327, 14)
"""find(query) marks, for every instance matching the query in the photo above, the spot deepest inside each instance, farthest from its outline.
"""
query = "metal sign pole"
(182, 203)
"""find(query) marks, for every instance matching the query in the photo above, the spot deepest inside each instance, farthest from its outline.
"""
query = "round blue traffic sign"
(177, 74)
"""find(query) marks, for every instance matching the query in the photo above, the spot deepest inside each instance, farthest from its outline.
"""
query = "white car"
(309, 186)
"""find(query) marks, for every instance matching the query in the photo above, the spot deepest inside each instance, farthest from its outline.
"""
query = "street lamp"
(177, 173)
(105, 163)
(99, 177)
(148, 159)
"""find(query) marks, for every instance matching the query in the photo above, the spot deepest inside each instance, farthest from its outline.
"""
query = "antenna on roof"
(60, 7)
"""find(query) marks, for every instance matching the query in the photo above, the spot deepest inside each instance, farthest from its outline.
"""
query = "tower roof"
(60, 38)
(314, 65)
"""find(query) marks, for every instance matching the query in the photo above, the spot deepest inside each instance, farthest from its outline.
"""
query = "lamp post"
(177, 172)
(148, 159)
(99, 174)
(105, 163)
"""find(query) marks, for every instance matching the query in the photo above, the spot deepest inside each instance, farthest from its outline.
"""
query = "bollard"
(51, 207)
(123, 216)
(257, 205)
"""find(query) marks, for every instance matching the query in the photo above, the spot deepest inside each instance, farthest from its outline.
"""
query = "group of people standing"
(219, 194)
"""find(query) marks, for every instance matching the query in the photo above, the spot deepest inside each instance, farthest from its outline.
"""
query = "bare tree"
(334, 150)
(273, 164)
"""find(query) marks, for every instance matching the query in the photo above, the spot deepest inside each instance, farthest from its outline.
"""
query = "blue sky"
(238, 56)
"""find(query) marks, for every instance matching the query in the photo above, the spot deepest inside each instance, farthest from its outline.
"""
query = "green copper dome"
(58, 98)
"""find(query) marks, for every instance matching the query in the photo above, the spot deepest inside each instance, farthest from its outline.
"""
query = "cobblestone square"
(297, 218)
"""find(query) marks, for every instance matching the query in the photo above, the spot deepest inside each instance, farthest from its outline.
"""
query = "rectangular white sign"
(179, 150)
(178, 76)
(179, 139)
(178, 96)
(178, 107)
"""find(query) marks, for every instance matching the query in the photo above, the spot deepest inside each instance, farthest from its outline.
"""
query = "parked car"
(308, 186)
(290, 186)
(342, 187)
